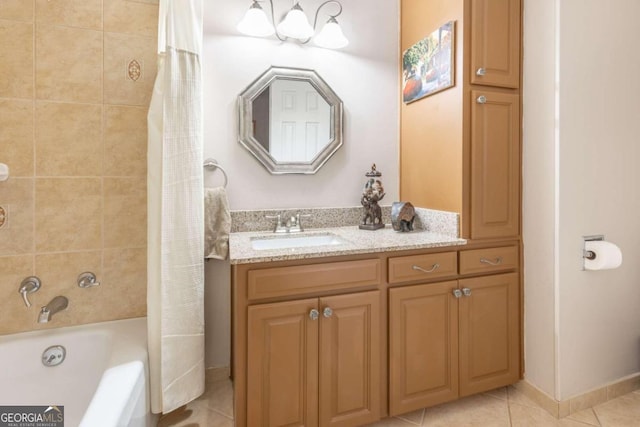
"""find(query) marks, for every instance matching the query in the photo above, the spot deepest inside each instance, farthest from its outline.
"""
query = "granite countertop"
(356, 241)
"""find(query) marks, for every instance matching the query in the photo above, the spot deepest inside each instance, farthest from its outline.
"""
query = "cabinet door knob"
(466, 292)
(433, 268)
(481, 99)
(327, 312)
(457, 293)
(314, 314)
(498, 261)
(481, 72)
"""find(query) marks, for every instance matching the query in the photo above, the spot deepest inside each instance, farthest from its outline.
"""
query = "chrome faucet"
(291, 225)
(57, 304)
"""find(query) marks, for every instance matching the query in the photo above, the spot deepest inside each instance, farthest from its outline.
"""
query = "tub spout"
(57, 304)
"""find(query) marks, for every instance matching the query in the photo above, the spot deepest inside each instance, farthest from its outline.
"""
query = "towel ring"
(212, 164)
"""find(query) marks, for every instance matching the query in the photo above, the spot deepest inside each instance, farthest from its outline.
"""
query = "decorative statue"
(372, 193)
(402, 216)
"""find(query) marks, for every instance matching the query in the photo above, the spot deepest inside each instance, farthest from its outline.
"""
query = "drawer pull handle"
(327, 312)
(466, 292)
(457, 293)
(481, 99)
(434, 267)
(498, 261)
(314, 314)
(481, 72)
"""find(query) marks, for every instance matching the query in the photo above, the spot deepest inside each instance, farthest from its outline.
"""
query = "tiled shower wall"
(75, 82)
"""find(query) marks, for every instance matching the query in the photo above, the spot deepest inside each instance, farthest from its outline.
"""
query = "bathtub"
(103, 380)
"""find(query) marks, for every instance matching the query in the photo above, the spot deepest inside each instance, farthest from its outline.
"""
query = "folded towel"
(217, 223)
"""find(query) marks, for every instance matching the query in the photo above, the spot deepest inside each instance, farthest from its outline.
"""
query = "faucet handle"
(87, 280)
(28, 285)
(298, 216)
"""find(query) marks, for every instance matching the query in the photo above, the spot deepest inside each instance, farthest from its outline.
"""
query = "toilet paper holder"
(589, 254)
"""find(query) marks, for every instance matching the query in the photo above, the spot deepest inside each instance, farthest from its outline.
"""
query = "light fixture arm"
(315, 20)
(273, 21)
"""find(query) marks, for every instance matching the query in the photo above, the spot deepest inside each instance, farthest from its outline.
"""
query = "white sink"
(292, 242)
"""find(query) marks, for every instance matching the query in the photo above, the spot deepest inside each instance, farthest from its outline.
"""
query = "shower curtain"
(175, 270)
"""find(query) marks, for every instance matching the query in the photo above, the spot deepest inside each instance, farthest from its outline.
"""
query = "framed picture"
(428, 66)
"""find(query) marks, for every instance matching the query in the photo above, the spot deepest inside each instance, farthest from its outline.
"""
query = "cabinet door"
(282, 364)
(423, 346)
(489, 331)
(350, 359)
(495, 164)
(495, 42)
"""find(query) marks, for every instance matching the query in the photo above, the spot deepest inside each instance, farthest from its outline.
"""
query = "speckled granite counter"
(432, 229)
(356, 241)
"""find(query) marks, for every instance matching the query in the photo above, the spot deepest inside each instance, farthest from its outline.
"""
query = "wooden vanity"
(348, 340)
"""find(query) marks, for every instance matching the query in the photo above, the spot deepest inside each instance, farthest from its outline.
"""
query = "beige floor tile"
(586, 416)
(526, 416)
(499, 393)
(413, 417)
(391, 422)
(219, 397)
(479, 410)
(195, 415)
(621, 412)
(518, 397)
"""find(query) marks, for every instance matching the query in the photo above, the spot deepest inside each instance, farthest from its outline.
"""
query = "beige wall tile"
(68, 64)
(16, 197)
(15, 316)
(125, 212)
(68, 214)
(123, 16)
(16, 137)
(68, 139)
(59, 275)
(125, 141)
(127, 82)
(16, 59)
(16, 10)
(71, 13)
(125, 275)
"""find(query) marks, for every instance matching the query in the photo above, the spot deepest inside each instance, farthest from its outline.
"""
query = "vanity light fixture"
(294, 25)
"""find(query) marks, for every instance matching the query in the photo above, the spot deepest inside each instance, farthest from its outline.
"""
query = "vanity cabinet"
(314, 361)
(455, 338)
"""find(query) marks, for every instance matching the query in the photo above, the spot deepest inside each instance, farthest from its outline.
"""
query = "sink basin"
(292, 242)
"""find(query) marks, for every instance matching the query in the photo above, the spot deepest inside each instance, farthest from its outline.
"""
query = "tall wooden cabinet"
(472, 166)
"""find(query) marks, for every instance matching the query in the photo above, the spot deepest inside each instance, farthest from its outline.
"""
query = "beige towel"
(217, 223)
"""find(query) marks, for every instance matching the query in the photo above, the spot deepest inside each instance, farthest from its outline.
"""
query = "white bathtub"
(103, 380)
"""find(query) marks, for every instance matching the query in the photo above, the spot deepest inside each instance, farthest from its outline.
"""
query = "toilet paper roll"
(607, 254)
(4, 172)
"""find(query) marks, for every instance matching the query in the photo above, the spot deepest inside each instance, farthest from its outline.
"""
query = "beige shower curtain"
(175, 282)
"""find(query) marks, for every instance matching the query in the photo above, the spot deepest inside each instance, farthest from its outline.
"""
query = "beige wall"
(592, 188)
(73, 132)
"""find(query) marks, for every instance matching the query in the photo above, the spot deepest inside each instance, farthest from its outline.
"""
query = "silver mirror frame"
(246, 138)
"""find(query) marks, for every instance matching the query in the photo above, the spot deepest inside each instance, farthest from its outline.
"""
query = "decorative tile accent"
(134, 70)
(4, 216)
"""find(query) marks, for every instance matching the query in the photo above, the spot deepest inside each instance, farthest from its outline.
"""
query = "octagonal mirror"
(290, 120)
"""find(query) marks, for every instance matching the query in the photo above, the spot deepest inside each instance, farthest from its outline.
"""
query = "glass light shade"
(295, 25)
(331, 36)
(255, 22)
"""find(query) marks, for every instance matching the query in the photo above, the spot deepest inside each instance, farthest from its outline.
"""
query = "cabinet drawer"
(489, 260)
(416, 267)
(306, 279)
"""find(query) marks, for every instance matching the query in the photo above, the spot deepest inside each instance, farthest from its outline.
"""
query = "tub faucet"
(57, 304)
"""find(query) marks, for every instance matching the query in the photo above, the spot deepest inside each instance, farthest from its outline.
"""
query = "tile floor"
(502, 407)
